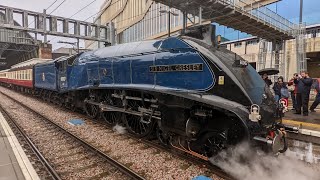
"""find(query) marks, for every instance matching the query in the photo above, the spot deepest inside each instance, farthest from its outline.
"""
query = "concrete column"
(9, 16)
(301, 11)
(200, 15)
(53, 24)
(65, 26)
(184, 23)
(112, 38)
(44, 22)
(25, 19)
(77, 28)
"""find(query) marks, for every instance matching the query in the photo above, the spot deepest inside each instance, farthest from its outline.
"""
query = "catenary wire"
(57, 6)
(45, 9)
(88, 17)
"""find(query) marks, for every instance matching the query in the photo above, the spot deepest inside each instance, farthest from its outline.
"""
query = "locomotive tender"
(195, 97)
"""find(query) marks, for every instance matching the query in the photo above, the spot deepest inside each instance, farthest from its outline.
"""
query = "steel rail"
(218, 171)
(118, 165)
(215, 169)
(43, 160)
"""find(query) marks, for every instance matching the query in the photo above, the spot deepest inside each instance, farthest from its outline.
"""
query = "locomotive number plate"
(177, 67)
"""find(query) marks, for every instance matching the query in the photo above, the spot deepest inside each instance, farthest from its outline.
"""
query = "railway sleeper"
(177, 122)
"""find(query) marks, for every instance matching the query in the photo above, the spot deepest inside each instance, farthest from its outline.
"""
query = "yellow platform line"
(297, 123)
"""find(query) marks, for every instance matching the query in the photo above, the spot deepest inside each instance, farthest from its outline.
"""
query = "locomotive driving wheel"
(215, 142)
(112, 118)
(139, 126)
(91, 110)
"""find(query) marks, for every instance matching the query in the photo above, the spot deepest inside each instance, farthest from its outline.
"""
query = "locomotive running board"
(108, 108)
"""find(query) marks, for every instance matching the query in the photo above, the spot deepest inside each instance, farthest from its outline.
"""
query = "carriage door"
(63, 75)
(93, 73)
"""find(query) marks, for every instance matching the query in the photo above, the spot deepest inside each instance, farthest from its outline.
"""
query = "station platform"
(312, 121)
(14, 163)
(309, 126)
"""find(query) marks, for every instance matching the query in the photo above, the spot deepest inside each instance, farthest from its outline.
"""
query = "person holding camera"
(293, 91)
(303, 83)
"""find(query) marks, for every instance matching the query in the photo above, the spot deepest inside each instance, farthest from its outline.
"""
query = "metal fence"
(263, 14)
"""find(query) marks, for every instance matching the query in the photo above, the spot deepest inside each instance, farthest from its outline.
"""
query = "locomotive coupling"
(275, 143)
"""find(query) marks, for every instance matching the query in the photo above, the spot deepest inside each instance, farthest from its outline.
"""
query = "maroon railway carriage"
(20, 75)
(3, 76)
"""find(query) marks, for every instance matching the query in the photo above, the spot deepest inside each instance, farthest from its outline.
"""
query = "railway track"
(80, 154)
(40, 164)
(155, 144)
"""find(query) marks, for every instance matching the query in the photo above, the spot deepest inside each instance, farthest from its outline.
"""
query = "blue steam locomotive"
(193, 96)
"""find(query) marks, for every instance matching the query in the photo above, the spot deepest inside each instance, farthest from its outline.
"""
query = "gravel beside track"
(148, 161)
(88, 166)
(36, 160)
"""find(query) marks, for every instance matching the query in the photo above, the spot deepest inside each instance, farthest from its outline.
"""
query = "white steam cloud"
(119, 129)
(247, 164)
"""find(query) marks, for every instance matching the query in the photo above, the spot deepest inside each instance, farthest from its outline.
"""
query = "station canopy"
(15, 46)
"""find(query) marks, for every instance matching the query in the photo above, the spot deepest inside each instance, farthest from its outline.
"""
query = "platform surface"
(311, 122)
(14, 164)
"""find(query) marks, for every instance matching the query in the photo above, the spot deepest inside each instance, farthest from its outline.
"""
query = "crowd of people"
(298, 88)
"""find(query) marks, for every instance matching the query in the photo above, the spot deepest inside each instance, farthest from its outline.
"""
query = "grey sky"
(67, 9)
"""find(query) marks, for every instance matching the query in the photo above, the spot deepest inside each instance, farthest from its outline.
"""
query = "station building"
(137, 20)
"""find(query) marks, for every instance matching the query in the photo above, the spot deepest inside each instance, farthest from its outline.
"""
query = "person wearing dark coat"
(277, 88)
(317, 100)
(304, 83)
(293, 91)
(266, 80)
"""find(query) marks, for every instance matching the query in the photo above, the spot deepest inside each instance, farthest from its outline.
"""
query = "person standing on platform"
(293, 91)
(266, 80)
(278, 88)
(317, 100)
(304, 83)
